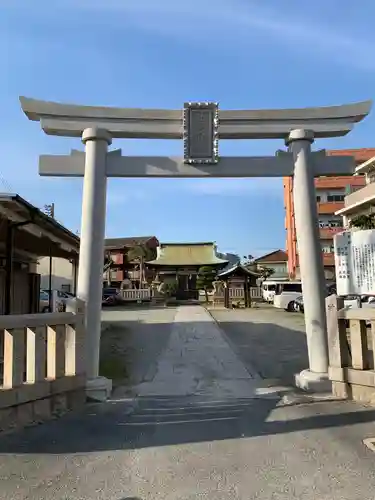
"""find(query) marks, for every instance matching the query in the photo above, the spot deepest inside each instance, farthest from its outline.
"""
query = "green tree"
(266, 272)
(249, 263)
(363, 221)
(107, 263)
(205, 278)
(169, 290)
(139, 255)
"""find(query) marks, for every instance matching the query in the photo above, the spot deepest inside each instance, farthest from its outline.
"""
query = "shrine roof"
(237, 269)
(187, 254)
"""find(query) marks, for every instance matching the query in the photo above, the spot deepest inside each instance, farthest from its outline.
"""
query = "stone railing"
(351, 343)
(42, 373)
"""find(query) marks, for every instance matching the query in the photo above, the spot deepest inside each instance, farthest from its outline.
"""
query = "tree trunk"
(206, 294)
(141, 272)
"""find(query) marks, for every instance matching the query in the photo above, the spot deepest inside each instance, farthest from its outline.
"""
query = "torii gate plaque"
(200, 125)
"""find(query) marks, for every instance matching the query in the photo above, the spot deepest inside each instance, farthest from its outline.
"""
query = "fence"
(351, 343)
(239, 293)
(236, 295)
(142, 294)
(42, 369)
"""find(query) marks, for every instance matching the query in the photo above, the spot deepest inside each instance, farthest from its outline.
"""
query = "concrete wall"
(356, 197)
(62, 273)
(278, 267)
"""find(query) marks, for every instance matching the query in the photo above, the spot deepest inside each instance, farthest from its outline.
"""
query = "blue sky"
(160, 53)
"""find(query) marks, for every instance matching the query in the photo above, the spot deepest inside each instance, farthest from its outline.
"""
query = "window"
(318, 199)
(335, 197)
(328, 248)
(331, 223)
(288, 287)
(269, 288)
(65, 288)
(335, 223)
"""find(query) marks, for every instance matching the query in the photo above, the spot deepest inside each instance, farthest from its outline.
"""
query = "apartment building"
(361, 201)
(117, 249)
(330, 196)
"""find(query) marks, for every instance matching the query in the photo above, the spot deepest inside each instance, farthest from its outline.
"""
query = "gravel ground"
(132, 341)
(271, 341)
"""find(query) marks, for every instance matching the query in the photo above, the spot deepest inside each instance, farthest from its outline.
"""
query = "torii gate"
(200, 125)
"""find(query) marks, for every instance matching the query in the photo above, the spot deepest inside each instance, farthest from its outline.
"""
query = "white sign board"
(355, 262)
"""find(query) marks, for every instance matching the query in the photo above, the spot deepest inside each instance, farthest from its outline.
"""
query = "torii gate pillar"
(310, 261)
(91, 253)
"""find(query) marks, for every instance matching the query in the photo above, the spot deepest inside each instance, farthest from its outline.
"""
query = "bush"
(170, 290)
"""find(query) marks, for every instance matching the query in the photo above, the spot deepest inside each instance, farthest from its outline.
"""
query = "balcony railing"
(366, 193)
(329, 232)
(329, 207)
(328, 259)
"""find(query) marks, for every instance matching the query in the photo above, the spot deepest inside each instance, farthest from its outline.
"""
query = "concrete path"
(218, 445)
(198, 360)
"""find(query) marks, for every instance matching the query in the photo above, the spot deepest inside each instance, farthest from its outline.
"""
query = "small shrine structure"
(237, 284)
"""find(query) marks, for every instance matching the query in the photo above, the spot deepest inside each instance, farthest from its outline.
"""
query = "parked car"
(111, 296)
(59, 296)
(44, 301)
(350, 301)
(298, 304)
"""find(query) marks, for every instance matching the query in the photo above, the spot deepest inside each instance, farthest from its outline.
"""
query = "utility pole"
(50, 211)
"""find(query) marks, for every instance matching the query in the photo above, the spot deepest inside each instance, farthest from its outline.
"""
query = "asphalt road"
(195, 447)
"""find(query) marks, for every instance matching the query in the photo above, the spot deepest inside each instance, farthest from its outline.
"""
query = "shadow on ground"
(171, 421)
(275, 351)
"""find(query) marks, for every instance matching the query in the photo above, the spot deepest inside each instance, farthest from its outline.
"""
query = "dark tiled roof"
(237, 267)
(276, 256)
(126, 242)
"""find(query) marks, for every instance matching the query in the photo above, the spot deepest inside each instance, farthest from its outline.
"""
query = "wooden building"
(238, 281)
(180, 262)
(26, 236)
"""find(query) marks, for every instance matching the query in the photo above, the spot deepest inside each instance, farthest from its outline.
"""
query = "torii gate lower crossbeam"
(97, 164)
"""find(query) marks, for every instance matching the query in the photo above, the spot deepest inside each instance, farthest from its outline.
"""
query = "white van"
(286, 293)
(268, 290)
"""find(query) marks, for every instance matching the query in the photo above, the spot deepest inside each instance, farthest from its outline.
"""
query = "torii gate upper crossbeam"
(71, 120)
